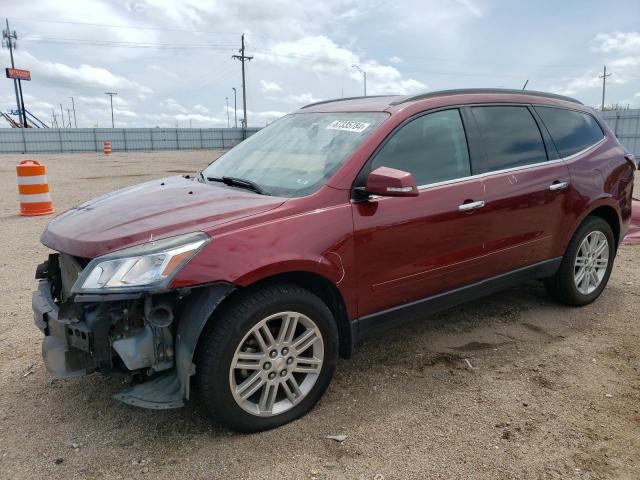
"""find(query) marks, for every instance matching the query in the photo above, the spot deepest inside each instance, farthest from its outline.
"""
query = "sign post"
(18, 75)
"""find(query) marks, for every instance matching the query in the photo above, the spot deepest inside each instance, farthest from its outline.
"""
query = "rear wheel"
(268, 358)
(586, 265)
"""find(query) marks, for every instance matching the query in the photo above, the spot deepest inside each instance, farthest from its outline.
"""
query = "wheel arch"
(320, 286)
(609, 215)
(605, 208)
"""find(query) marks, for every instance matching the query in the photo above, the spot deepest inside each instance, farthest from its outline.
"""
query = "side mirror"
(389, 182)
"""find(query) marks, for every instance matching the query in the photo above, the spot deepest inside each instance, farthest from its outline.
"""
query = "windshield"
(295, 155)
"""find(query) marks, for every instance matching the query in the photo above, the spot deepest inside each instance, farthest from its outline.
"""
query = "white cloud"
(200, 109)
(616, 42)
(85, 75)
(471, 6)
(270, 86)
(395, 59)
(322, 55)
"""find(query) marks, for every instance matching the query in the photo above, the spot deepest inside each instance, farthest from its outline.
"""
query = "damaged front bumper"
(134, 334)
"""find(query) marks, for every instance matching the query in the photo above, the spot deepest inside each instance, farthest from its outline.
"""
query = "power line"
(131, 27)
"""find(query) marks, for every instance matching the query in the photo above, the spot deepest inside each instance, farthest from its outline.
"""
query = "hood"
(152, 210)
(633, 234)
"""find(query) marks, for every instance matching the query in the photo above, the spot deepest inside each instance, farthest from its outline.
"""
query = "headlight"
(143, 267)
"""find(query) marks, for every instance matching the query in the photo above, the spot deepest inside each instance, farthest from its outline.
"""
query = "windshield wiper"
(239, 182)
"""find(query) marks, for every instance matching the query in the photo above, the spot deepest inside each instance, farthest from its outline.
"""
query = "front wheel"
(586, 265)
(268, 358)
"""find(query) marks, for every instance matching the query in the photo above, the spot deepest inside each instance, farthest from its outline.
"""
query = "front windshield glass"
(297, 154)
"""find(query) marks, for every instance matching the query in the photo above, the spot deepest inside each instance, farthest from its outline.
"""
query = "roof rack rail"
(460, 91)
(322, 102)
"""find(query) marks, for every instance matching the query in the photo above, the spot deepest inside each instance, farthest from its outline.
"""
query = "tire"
(563, 286)
(233, 340)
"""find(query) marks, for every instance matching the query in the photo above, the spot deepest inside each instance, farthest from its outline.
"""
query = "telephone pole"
(73, 105)
(111, 94)
(9, 40)
(604, 85)
(62, 117)
(242, 57)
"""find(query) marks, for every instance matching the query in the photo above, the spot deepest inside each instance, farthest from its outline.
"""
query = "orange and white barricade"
(33, 189)
(107, 147)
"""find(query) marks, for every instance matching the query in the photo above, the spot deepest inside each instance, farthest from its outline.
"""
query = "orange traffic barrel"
(107, 147)
(33, 189)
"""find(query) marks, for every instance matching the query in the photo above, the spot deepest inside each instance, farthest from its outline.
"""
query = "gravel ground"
(513, 386)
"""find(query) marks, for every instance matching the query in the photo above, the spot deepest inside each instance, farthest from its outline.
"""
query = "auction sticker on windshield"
(348, 126)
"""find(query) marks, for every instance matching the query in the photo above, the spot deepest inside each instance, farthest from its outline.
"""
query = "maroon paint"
(379, 253)
(391, 183)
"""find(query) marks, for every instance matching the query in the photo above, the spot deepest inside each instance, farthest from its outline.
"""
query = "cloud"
(471, 7)
(86, 76)
(270, 86)
(616, 42)
(322, 55)
(395, 59)
(200, 109)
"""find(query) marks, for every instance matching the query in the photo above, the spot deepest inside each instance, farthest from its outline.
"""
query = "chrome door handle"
(558, 186)
(471, 206)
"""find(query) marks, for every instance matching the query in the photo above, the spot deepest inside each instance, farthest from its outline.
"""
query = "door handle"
(471, 206)
(558, 186)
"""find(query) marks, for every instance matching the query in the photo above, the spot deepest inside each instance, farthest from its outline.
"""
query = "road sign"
(18, 74)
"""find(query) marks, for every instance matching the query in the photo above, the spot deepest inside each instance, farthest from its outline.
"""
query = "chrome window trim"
(508, 170)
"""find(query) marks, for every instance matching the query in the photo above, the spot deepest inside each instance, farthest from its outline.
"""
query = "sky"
(170, 61)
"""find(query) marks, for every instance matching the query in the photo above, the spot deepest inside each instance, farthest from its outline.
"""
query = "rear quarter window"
(571, 131)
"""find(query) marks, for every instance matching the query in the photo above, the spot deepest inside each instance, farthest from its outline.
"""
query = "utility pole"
(242, 57)
(235, 108)
(364, 75)
(62, 117)
(227, 99)
(9, 40)
(604, 85)
(111, 94)
(73, 105)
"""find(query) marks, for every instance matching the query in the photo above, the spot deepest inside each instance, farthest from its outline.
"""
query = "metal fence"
(626, 125)
(64, 140)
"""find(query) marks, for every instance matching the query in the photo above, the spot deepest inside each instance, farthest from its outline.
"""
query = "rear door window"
(433, 148)
(511, 136)
(571, 131)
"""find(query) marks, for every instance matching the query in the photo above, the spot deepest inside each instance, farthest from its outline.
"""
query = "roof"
(383, 102)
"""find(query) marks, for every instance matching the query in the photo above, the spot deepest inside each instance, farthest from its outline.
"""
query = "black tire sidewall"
(570, 290)
(215, 371)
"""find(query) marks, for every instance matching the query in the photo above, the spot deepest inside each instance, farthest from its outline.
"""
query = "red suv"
(336, 220)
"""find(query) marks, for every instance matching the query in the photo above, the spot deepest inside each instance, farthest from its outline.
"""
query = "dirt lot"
(554, 392)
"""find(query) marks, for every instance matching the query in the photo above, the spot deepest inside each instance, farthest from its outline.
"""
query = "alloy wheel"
(591, 262)
(276, 364)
